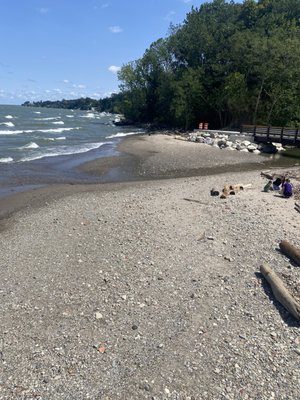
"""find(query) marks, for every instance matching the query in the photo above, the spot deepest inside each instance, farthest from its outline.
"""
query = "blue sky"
(55, 49)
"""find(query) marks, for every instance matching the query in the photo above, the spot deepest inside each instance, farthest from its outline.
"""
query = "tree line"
(109, 104)
(227, 64)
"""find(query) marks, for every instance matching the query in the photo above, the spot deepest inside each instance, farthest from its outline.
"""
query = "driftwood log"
(290, 250)
(280, 292)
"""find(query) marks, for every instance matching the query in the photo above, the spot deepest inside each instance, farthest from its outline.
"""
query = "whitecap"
(58, 138)
(31, 145)
(89, 115)
(57, 130)
(37, 112)
(58, 123)
(123, 134)
(10, 132)
(70, 116)
(6, 160)
(9, 117)
(9, 124)
(64, 151)
(46, 119)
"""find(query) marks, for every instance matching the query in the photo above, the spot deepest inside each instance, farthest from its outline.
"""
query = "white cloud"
(66, 81)
(114, 69)
(79, 86)
(115, 29)
(105, 5)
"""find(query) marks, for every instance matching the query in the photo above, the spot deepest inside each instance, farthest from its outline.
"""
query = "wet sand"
(141, 158)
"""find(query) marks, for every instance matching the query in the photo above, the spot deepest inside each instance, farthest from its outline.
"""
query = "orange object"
(101, 348)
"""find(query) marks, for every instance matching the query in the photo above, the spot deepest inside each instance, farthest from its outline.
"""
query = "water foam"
(46, 119)
(57, 138)
(6, 160)
(89, 115)
(10, 132)
(9, 117)
(58, 123)
(31, 145)
(9, 124)
(123, 134)
(64, 151)
(54, 130)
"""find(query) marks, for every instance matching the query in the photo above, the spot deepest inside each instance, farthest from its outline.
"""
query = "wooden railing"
(264, 134)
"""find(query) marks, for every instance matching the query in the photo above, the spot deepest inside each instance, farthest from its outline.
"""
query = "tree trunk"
(257, 102)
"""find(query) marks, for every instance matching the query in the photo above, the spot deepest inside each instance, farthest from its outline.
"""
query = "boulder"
(251, 147)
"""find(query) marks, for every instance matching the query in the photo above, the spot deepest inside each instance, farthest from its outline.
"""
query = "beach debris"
(201, 237)
(280, 292)
(297, 207)
(230, 190)
(290, 250)
(101, 348)
(267, 175)
(214, 192)
(196, 201)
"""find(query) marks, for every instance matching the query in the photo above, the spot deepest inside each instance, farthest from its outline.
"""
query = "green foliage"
(228, 63)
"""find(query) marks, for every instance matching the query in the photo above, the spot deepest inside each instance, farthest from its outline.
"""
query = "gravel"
(150, 290)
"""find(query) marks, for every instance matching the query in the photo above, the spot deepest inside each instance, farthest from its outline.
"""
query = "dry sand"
(151, 289)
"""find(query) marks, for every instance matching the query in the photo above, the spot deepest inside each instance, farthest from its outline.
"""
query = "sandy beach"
(150, 288)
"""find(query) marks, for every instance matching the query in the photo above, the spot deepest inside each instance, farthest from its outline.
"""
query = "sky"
(67, 49)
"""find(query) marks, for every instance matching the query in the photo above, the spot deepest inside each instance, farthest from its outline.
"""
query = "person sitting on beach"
(276, 184)
(287, 189)
(268, 186)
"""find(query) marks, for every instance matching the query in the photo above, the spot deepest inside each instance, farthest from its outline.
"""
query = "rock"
(245, 143)
(251, 147)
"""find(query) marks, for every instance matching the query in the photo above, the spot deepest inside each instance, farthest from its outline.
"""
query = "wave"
(10, 132)
(56, 130)
(9, 117)
(64, 151)
(57, 138)
(89, 115)
(6, 160)
(123, 134)
(9, 124)
(31, 145)
(58, 123)
(46, 119)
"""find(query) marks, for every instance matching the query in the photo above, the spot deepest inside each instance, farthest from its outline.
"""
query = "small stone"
(167, 391)
(134, 327)
(98, 315)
